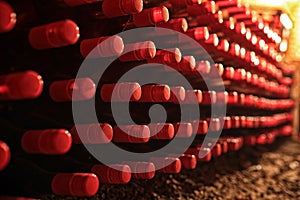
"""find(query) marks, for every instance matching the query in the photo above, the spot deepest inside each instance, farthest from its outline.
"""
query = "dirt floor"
(261, 172)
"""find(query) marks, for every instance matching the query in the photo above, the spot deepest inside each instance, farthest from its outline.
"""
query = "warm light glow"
(283, 45)
(286, 21)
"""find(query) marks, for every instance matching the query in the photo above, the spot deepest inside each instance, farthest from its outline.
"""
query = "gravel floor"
(261, 172)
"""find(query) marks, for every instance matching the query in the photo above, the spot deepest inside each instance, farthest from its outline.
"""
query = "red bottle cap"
(232, 98)
(72, 90)
(261, 139)
(161, 131)
(270, 137)
(202, 9)
(241, 99)
(202, 126)
(224, 146)
(186, 65)
(138, 51)
(183, 129)
(203, 67)
(75, 184)
(113, 174)
(167, 164)
(198, 33)
(216, 150)
(106, 46)
(243, 121)
(227, 123)
(234, 144)
(209, 97)
(207, 157)
(212, 40)
(179, 24)
(50, 141)
(196, 151)
(151, 16)
(124, 92)
(223, 45)
(4, 155)
(132, 133)
(141, 170)
(117, 8)
(155, 93)
(237, 10)
(239, 75)
(53, 35)
(173, 54)
(214, 124)
(177, 94)
(226, 4)
(20, 85)
(250, 140)
(235, 121)
(222, 97)
(188, 161)
(184, 3)
(92, 133)
(228, 73)
(286, 131)
(8, 17)
(193, 97)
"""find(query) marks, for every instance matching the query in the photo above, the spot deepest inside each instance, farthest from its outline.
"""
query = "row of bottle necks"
(64, 175)
(67, 33)
(200, 83)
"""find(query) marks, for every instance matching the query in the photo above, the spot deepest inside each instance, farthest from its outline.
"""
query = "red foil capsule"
(228, 73)
(138, 51)
(198, 33)
(209, 97)
(72, 90)
(188, 161)
(177, 95)
(222, 97)
(131, 134)
(20, 85)
(141, 170)
(155, 93)
(223, 45)
(117, 8)
(4, 155)
(224, 146)
(216, 150)
(235, 121)
(179, 24)
(261, 139)
(8, 17)
(201, 155)
(193, 97)
(203, 67)
(121, 92)
(186, 65)
(75, 184)
(106, 46)
(200, 126)
(227, 123)
(214, 124)
(167, 164)
(232, 98)
(161, 131)
(183, 129)
(202, 9)
(171, 55)
(53, 35)
(234, 144)
(151, 16)
(184, 3)
(92, 133)
(50, 141)
(113, 174)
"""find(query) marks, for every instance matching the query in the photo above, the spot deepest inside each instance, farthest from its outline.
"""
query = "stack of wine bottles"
(43, 45)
